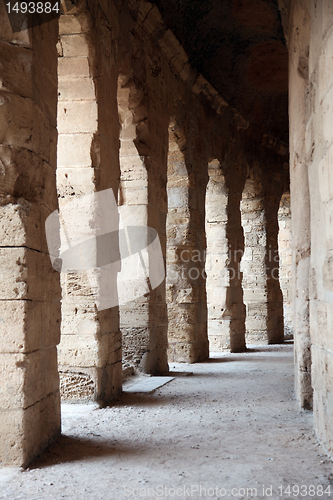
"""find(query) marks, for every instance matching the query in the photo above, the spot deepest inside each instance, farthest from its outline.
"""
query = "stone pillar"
(235, 175)
(142, 203)
(274, 322)
(254, 262)
(285, 258)
(186, 299)
(217, 259)
(300, 151)
(30, 288)
(90, 348)
(260, 263)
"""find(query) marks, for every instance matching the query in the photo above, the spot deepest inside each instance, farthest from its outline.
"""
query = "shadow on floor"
(74, 449)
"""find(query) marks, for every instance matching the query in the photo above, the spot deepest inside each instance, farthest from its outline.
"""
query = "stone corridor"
(166, 191)
(230, 422)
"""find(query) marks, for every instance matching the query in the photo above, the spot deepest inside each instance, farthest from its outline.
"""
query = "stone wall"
(311, 98)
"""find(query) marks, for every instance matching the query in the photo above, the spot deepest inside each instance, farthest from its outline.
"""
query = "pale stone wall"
(311, 39)
(312, 138)
(285, 256)
(30, 288)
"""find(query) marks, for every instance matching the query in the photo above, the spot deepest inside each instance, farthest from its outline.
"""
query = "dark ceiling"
(239, 46)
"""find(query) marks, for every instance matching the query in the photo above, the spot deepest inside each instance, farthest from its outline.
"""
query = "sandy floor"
(226, 426)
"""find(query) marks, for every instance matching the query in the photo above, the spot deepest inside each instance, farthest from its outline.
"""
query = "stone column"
(300, 151)
(90, 348)
(217, 259)
(142, 204)
(30, 288)
(260, 263)
(274, 322)
(285, 258)
(187, 309)
(254, 262)
(235, 175)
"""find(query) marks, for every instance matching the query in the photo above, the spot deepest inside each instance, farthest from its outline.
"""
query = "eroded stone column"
(235, 175)
(30, 288)
(254, 262)
(285, 258)
(142, 204)
(217, 259)
(186, 299)
(90, 348)
(300, 152)
(260, 263)
(274, 323)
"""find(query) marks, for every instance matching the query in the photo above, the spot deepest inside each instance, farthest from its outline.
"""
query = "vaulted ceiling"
(240, 48)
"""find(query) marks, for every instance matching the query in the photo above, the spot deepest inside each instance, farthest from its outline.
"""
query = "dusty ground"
(232, 424)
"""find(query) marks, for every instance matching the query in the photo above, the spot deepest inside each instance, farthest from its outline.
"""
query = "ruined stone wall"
(311, 98)
(30, 288)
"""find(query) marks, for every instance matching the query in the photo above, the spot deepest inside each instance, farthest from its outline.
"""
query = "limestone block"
(178, 197)
(77, 117)
(74, 150)
(73, 66)
(16, 66)
(74, 45)
(134, 195)
(70, 25)
(27, 326)
(77, 89)
(27, 378)
(135, 313)
(78, 181)
(132, 167)
(43, 421)
(23, 270)
(79, 350)
(21, 225)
